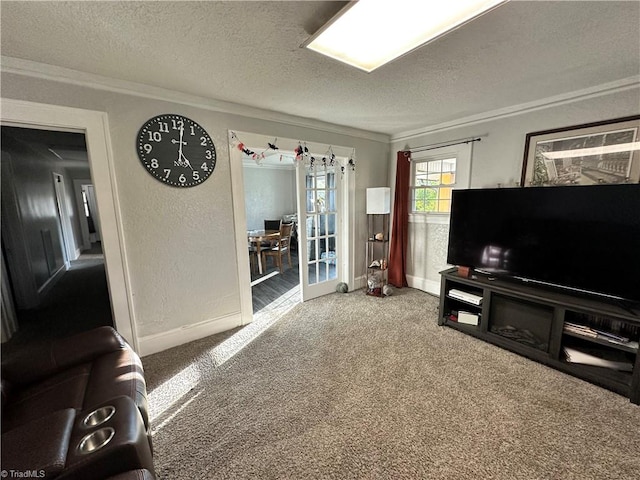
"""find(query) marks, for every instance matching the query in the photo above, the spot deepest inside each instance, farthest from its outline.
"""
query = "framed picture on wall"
(594, 153)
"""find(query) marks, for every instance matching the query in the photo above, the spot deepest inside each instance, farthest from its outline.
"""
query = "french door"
(320, 228)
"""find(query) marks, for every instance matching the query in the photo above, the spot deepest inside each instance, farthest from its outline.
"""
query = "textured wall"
(180, 243)
(427, 254)
(497, 159)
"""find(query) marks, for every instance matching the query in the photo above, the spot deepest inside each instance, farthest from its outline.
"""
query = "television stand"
(628, 307)
(587, 337)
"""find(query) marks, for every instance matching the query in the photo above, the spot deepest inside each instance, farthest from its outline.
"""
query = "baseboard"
(360, 282)
(179, 336)
(419, 283)
(423, 284)
(48, 285)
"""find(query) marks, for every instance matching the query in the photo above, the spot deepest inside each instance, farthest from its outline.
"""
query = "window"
(432, 180)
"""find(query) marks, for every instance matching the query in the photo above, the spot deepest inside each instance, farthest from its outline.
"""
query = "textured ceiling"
(248, 53)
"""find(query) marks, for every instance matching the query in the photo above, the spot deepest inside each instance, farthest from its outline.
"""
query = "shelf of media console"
(631, 347)
(471, 304)
(538, 293)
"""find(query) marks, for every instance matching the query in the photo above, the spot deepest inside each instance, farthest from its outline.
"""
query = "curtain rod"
(433, 146)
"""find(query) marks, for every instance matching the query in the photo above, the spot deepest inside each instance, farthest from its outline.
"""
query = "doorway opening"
(94, 125)
(322, 193)
(272, 228)
(56, 283)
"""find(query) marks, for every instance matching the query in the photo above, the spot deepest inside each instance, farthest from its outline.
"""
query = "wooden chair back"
(285, 235)
(282, 247)
(272, 224)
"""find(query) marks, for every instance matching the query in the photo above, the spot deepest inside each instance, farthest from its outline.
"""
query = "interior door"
(320, 228)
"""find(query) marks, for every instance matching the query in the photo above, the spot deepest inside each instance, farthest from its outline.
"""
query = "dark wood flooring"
(274, 287)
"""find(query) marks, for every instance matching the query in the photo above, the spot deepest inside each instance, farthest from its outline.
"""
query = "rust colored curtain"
(400, 227)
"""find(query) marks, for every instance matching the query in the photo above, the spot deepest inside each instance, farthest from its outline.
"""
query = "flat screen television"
(581, 238)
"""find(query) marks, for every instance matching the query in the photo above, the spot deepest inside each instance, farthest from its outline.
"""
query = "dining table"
(259, 237)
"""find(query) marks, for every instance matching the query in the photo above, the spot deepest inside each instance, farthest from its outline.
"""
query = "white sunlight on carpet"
(171, 392)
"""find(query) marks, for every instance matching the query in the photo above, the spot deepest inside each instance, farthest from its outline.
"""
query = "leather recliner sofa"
(76, 408)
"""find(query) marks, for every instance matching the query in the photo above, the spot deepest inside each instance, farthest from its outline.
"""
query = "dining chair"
(272, 224)
(253, 258)
(280, 248)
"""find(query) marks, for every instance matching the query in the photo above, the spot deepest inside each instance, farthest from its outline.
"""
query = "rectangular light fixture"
(369, 33)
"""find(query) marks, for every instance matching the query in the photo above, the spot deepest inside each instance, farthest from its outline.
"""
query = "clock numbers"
(176, 150)
(155, 137)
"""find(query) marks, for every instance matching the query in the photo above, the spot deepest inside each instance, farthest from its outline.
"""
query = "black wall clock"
(176, 150)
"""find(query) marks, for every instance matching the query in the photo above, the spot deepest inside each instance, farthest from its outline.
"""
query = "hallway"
(78, 302)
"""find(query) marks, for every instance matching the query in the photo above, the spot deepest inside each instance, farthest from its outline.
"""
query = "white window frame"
(462, 154)
(439, 187)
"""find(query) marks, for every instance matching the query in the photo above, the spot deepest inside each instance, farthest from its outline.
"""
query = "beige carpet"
(351, 386)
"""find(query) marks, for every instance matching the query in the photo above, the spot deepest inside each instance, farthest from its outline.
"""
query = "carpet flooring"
(349, 386)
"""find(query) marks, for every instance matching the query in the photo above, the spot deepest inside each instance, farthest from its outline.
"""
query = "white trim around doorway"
(95, 127)
(240, 225)
(240, 217)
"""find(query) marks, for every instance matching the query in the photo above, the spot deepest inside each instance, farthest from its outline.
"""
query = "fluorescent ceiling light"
(369, 33)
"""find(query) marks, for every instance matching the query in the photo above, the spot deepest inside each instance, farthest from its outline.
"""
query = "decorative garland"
(301, 154)
(250, 153)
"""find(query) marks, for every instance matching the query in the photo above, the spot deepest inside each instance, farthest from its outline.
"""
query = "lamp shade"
(378, 200)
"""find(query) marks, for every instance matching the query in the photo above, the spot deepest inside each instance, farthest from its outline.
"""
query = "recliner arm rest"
(44, 360)
(40, 445)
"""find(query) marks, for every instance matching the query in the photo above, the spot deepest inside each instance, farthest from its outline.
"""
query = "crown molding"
(45, 71)
(74, 77)
(565, 98)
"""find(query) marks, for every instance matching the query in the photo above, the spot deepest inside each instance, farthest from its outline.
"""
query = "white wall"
(269, 193)
(497, 159)
(180, 243)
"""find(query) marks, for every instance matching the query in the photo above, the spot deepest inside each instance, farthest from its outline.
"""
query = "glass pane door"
(319, 228)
